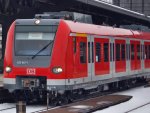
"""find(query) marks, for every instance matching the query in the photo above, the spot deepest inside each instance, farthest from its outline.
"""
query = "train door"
(135, 55)
(128, 57)
(147, 55)
(120, 56)
(102, 56)
(112, 62)
(142, 55)
(81, 57)
(90, 57)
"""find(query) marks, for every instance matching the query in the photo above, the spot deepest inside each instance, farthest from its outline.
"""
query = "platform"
(91, 105)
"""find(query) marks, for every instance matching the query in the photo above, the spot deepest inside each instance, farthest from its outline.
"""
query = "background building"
(141, 6)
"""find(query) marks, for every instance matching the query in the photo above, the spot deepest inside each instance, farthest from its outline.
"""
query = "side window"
(132, 52)
(149, 51)
(123, 52)
(89, 52)
(74, 44)
(106, 52)
(117, 52)
(138, 52)
(146, 52)
(82, 52)
(98, 52)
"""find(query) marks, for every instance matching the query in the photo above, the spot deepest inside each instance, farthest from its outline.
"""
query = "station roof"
(117, 9)
(115, 14)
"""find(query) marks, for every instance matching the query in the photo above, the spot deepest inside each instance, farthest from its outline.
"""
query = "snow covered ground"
(140, 95)
(12, 109)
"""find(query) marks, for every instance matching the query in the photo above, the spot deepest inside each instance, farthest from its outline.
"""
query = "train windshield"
(34, 40)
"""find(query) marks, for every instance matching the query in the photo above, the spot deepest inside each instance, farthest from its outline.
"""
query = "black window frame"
(74, 45)
(106, 52)
(98, 51)
(146, 51)
(123, 52)
(83, 49)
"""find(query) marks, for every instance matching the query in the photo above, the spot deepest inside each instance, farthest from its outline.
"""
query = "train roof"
(77, 27)
(32, 21)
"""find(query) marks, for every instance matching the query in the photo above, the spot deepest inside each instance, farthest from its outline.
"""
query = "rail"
(137, 107)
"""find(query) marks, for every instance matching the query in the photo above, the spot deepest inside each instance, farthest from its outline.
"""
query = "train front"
(28, 52)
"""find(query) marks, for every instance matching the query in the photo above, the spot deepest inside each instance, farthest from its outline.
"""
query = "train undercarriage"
(39, 95)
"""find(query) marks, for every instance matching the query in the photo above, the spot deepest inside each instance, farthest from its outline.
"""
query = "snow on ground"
(6, 105)
(29, 109)
(140, 95)
(144, 109)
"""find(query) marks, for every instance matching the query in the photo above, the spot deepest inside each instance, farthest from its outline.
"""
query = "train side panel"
(59, 52)
(9, 51)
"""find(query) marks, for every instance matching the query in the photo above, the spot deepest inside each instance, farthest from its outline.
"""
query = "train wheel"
(63, 100)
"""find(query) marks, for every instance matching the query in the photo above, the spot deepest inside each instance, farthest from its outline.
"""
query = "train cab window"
(117, 52)
(106, 52)
(82, 52)
(138, 52)
(74, 44)
(123, 52)
(132, 52)
(98, 52)
(31, 40)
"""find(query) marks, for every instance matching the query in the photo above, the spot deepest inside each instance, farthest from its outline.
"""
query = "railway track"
(42, 110)
(11, 108)
(7, 106)
(137, 108)
(5, 109)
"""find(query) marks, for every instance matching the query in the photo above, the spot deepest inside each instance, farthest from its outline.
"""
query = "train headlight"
(8, 69)
(37, 21)
(57, 70)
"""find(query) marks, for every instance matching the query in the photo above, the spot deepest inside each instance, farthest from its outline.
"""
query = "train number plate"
(31, 71)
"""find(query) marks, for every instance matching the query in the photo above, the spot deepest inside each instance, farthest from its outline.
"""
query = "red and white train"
(64, 56)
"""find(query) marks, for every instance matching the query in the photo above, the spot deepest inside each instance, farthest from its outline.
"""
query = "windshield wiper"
(42, 49)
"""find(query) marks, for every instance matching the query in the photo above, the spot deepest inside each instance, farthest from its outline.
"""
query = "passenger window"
(89, 52)
(132, 52)
(146, 52)
(98, 52)
(117, 52)
(74, 44)
(111, 47)
(149, 51)
(138, 52)
(82, 52)
(123, 52)
(106, 53)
